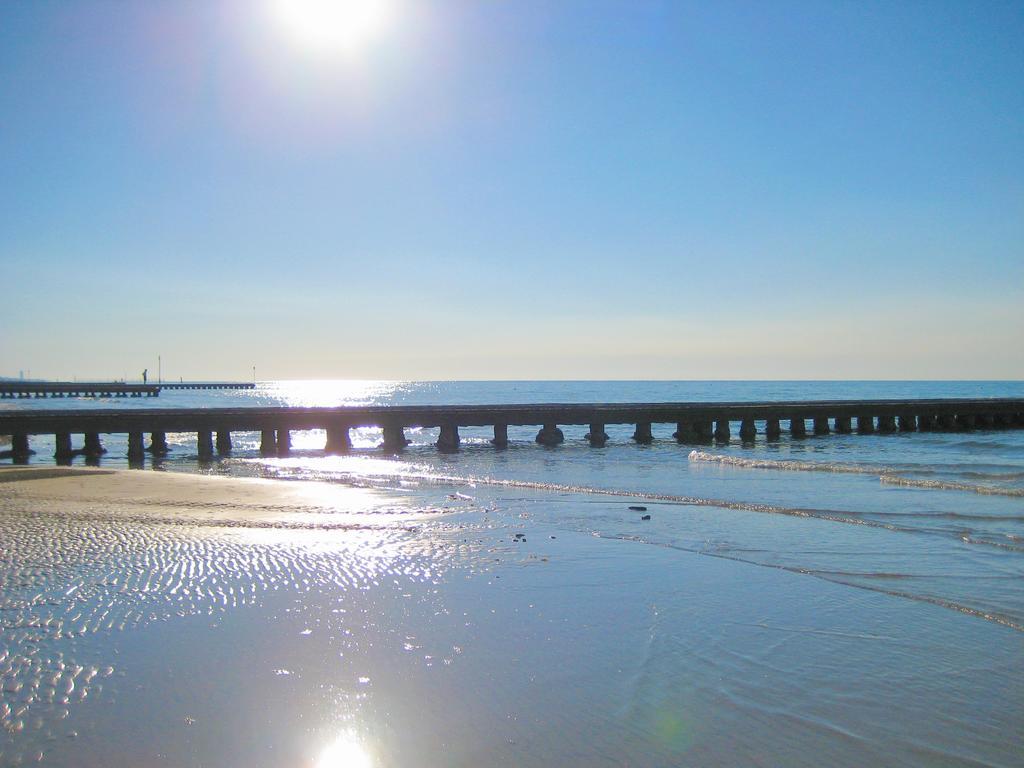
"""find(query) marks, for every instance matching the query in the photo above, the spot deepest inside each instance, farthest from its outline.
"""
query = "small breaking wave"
(887, 475)
(944, 485)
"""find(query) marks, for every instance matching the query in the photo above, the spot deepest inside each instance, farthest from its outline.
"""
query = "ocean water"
(847, 599)
(935, 516)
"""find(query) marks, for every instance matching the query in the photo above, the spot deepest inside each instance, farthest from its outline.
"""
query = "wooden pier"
(23, 389)
(691, 422)
(207, 385)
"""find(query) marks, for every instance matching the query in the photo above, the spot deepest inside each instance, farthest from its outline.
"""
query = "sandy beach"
(150, 618)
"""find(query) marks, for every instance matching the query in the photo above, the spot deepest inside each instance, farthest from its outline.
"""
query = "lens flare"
(326, 27)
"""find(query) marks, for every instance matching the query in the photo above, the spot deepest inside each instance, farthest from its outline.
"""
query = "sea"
(931, 521)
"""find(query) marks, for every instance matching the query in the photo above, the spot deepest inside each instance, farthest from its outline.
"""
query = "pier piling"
(865, 424)
(550, 435)
(338, 440)
(93, 447)
(500, 439)
(772, 429)
(597, 436)
(158, 444)
(62, 448)
(797, 427)
(642, 433)
(223, 441)
(268, 442)
(722, 434)
(136, 448)
(284, 441)
(821, 425)
(748, 430)
(448, 440)
(204, 444)
(394, 437)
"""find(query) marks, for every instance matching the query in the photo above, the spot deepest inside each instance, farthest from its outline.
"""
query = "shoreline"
(247, 621)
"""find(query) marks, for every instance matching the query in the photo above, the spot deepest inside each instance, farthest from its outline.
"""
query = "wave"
(944, 485)
(887, 475)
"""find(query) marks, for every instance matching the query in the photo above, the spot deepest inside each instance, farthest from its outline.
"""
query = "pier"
(207, 385)
(26, 389)
(694, 423)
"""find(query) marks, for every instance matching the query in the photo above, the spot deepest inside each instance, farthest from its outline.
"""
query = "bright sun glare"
(327, 27)
(344, 752)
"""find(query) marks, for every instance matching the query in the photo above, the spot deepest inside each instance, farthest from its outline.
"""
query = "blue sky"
(515, 190)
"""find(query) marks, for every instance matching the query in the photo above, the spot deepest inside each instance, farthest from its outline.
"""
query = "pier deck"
(23, 389)
(694, 422)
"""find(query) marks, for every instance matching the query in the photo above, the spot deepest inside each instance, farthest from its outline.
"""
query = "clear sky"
(512, 189)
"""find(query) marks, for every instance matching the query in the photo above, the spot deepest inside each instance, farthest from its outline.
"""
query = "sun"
(333, 27)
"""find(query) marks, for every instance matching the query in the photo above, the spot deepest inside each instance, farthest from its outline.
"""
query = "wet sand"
(149, 618)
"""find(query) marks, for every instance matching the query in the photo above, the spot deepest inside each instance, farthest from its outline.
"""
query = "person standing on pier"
(145, 375)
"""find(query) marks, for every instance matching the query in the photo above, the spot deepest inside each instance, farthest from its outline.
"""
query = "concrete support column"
(597, 436)
(284, 442)
(268, 442)
(887, 423)
(925, 422)
(821, 425)
(500, 439)
(702, 430)
(748, 430)
(93, 446)
(908, 422)
(204, 444)
(158, 443)
(62, 447)
(394, 437)
(797, 428)
(338, 439)
(550, 434)
(136, 448)
(947, 421)
(965, 421)
(20, 449)
(683, 433)
(722, 430)
(223, 441)
(642, 433)
(772, 429)
(448, 440)
(865, 425)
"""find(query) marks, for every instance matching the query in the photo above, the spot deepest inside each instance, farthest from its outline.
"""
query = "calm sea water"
(936, 517)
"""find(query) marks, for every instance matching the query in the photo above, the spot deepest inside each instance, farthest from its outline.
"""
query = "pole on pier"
(338, 440)
(597, 436)
(772, 429)
(500, 439)
(748, 430)
(204, 443)
(268, 442)
(642, 433)
(62, 447)
(223, 441)
(797, 428)
(821, 425)
(448, 440)
(550, 435)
